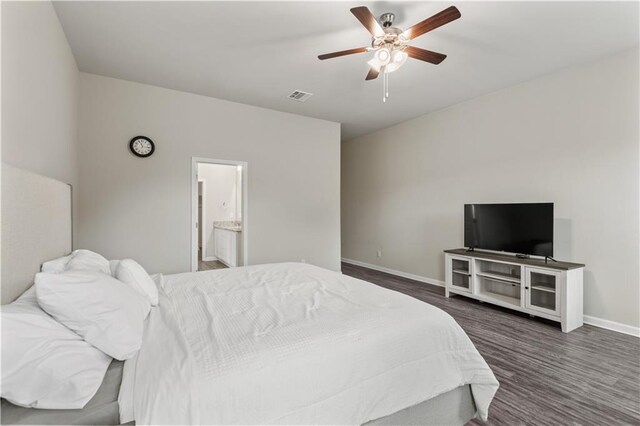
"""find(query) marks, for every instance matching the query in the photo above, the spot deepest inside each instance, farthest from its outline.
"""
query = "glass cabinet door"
(543, 290)
(461, 274)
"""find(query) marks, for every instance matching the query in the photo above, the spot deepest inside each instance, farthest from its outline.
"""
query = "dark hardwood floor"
(590, 376)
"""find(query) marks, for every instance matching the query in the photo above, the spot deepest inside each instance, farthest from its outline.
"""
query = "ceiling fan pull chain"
(384, 87)
(387, 92)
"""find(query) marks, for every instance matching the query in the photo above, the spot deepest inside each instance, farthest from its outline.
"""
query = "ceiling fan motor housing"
(386, 19)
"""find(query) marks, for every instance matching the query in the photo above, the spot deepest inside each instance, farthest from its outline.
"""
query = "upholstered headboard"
(36, 227)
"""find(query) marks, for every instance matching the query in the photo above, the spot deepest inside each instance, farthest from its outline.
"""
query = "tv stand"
(551, 290)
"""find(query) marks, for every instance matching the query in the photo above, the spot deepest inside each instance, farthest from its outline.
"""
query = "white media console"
(551, 290)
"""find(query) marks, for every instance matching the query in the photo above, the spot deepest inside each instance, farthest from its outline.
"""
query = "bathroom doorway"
(219, 214)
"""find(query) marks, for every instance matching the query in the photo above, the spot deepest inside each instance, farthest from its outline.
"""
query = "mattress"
(294, 344)
(455, 407)
(102, 409)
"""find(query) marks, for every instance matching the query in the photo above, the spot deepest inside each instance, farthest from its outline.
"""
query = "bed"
(101, 410)
(282, 343)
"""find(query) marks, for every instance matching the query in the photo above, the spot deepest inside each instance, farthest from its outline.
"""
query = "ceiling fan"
(391, 44)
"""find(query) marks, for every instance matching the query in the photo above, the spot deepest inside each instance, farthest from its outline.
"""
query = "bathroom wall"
(221, 196)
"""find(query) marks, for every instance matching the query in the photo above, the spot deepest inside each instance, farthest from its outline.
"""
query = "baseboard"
(612, 325)
(209, 259)
(394, 272)
(588, 319)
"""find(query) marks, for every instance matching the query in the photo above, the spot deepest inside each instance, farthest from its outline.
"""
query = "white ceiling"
(259, 52)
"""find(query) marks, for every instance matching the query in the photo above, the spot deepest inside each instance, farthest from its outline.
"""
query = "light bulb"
(399, 57)
(375, 64)
(391, 67)
(383, 56)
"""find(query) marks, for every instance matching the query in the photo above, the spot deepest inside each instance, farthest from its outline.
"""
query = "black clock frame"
(153, 147)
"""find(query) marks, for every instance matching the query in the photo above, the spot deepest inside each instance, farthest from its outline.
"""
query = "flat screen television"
(517, 228)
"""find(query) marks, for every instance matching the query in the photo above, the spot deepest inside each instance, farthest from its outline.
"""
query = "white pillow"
(86, 260)
(133, 274)
(44, 364)
(105, 312)
(113, 267)
(56, 266)
(158, 279)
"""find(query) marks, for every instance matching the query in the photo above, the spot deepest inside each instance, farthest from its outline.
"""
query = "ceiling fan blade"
(372, 74)
(437, 20)
(343, 53)
(367, 19)
(425, 55)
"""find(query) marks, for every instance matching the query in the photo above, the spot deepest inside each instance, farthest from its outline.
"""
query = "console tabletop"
(560, 266)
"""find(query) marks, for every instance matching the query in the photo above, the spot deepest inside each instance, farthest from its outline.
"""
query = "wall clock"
(142, 146)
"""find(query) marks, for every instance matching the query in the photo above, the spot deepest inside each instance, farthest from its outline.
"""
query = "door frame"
(194, 206)
(204, 217)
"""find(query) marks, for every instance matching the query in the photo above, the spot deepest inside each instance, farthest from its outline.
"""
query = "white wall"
(571, 138)
(39, 92)
(220, 191)
(141, 208)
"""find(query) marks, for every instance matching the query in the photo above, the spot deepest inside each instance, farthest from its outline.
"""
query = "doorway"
(219, 214)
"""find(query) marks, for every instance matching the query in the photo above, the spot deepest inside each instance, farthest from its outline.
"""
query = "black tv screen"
(516, 228)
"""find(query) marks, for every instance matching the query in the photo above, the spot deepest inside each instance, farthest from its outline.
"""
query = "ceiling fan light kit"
(391, 45)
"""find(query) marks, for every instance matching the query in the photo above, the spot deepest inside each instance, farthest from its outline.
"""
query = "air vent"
(300, 96)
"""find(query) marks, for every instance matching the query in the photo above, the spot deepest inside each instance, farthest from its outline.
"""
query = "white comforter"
(296, 344)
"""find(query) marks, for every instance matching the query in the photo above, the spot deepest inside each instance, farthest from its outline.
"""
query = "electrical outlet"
(379, 253)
